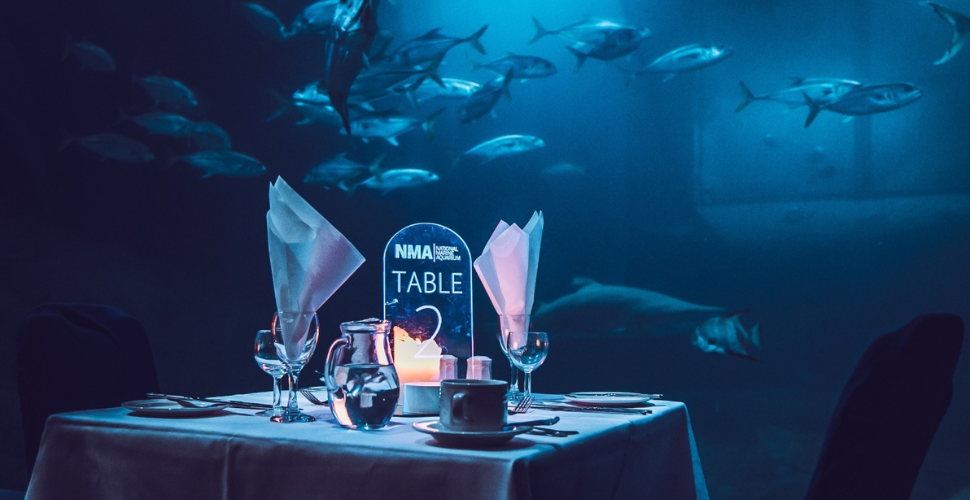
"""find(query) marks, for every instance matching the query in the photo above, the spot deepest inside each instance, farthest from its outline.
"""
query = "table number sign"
(428, 299)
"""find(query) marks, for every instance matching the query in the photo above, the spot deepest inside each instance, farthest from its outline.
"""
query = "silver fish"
(449, 88)
(315, 18)
(821, 90)
(339, 171)
(264, 21)
(522, 67)
(382, 79)
(165, 90)
(589, 31)
(563, 170)
(867, 100)
(612, 309)
(687, 58)
(484, 99)
(388, 125)
(227, 163)
(90, 57)
(960, 25)
(312, 105)
(726, 335)
(111, 146)
(506, 145)
(616, 44)
(209, 136)
(433, 45)
(398, 178)
(159, 122)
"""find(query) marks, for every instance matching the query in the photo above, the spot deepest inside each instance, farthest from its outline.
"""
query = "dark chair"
(875, 445)
(77, 357)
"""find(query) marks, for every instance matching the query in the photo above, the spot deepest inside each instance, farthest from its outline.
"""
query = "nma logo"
(413, 252)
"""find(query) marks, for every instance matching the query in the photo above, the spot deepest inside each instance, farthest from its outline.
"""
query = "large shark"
(620, 310)
(961, 29)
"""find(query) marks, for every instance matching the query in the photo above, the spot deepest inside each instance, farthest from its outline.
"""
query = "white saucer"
(608, 398)
(469, 439)
(166, 408)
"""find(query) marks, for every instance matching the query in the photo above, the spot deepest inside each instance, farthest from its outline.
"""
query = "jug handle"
(329, 367)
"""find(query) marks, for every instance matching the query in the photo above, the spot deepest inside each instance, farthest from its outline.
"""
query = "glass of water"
(296, 339)
(268, 358)
(527, 351)
(512, 323)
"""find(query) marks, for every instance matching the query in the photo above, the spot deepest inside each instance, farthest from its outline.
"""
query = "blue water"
(830, 235)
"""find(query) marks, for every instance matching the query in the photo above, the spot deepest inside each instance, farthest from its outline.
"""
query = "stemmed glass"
(527, 350)
(269, 360)
(296, 339)
(507, 323)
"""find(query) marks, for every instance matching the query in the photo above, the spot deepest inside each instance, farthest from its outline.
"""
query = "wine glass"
(269, 360)
(507, 323)
(296, 339)
(527, 350)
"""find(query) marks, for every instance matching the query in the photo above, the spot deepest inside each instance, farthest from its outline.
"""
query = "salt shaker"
(447, 367)
(479, 367)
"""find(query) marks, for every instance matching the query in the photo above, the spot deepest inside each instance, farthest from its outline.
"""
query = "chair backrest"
(876, 442)
(76, 357)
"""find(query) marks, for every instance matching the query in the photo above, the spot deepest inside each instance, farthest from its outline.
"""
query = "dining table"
(232, 454)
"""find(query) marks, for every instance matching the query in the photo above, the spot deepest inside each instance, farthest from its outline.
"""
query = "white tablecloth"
(112, 454)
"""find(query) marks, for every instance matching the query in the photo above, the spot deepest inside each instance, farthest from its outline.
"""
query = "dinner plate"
(470, 439)
(607, 398)
(167, 408)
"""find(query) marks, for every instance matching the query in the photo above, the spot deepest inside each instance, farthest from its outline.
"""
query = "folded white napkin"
(310, 259)
(508, 266)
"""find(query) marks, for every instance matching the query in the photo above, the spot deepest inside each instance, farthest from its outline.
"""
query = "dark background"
(187, 256)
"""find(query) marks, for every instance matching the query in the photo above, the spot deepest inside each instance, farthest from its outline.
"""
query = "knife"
(234, 404)
(593, 409)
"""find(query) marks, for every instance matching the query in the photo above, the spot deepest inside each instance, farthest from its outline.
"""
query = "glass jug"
(362, 384)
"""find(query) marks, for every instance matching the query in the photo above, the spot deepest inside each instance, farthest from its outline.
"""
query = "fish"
(348, 43)
(506, 145)
(227, 163)
(90, 57)
(312, 105)
(484, 99)
(111, 146)
(960, 25)
(264, 21)
(563, 170)
(397, 178)
(162, 123)
(821, 90)
(600, 309)
(726, 335)
(338, 171)
(209, 136)
(388, 125)
(167, 91)
(315, 18)
(433, 45)
(589, 31)
(686, 58)
(449, 88)
(523, 67)
(381, 80)
(867, 100)
(617, 43)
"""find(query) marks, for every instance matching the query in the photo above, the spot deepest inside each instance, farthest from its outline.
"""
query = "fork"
(313, 399)
(523, 405)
